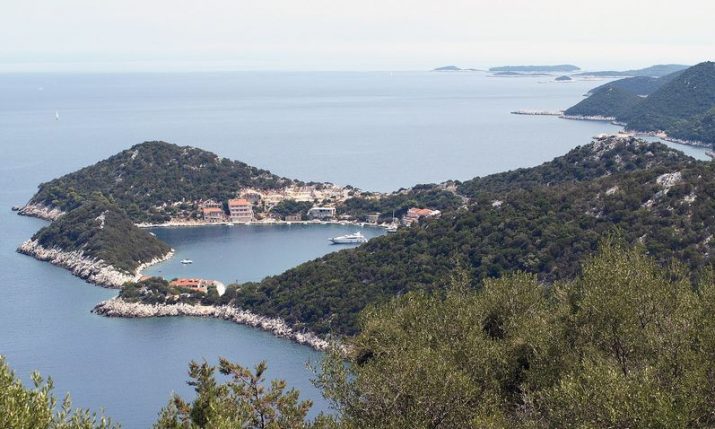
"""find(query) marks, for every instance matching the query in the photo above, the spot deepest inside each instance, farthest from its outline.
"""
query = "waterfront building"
(199, 285)
(241, 210)
(294, 217)
(213, 214)
(321, 212)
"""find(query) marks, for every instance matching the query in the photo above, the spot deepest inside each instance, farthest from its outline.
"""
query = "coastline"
(94, 271)
(40, 211)
(117, 307)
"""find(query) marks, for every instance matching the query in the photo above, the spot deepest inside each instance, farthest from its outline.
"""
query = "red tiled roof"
(212, 210)
(238, 202)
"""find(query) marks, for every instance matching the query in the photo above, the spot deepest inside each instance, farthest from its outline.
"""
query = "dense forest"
(147, 178)
(101, 230)
(682, 106)
(628, 342)
(541, 220)
(638, 85)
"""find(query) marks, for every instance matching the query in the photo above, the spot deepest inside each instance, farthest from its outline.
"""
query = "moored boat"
(355, 238)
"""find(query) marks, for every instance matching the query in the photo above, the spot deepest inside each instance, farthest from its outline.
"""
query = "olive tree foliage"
(627, 344)
(244, 401)
(37, 407)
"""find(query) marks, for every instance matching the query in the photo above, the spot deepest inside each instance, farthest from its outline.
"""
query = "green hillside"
(608, 102)
(101, 230)
(146, 178)
(681, 107)
(541, 220)
(638, 85)
(544, 230)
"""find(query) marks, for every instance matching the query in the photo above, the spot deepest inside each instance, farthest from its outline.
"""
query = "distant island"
(563, 78)
(533, 69)
(658, 70)
(679, 106)
(453, 68)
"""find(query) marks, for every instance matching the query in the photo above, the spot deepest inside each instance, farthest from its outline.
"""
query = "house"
(213, 214)
(373, 217)
(294, 217)
(210, 204)
(414, 215)
(197, 285)
(321, 212)
(241, 210)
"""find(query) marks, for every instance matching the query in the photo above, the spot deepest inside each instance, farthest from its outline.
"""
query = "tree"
(242, 402)
(37, 407)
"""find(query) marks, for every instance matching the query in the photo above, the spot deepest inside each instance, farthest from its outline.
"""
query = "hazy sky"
(123, 35)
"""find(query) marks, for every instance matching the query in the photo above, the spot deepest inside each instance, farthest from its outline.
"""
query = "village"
(294, 204)
(304, 204)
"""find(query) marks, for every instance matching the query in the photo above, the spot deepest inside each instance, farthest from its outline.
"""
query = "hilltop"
(98, 242)
(681, 106)
(638, 85)
(149, 179)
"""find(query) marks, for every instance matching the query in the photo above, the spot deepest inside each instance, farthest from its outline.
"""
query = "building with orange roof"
(241, 210)
(213, 214)
(198, 285)
(415, 214)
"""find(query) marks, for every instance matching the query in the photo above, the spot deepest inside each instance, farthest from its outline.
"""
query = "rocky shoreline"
(40, 211)
(92, 270)
(118, 307)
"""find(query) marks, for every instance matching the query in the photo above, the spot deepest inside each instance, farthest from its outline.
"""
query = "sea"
(380, 131)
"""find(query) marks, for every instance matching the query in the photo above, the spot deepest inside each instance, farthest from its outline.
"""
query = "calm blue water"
(379, 131)
(242, 253)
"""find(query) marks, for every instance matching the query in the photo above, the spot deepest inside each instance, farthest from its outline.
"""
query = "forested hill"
(609, 102)
(102, 231)
(142, 179)
(667, 205)
(638, 85)
(683, 106)
(604, 156)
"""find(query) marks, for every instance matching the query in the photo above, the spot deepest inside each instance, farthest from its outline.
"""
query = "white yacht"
(356, 238)
(187, 261)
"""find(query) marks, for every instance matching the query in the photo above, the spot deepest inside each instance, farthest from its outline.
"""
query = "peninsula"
(540, 220)
(679, 106)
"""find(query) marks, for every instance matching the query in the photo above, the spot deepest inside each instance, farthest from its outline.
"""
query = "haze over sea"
(378, 131)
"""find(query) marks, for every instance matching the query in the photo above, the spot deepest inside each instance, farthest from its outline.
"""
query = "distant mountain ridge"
(658, 70)
(536, 68)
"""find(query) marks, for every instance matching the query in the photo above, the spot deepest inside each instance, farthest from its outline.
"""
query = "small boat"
(230, 224)
(187, 261)
(391, 229)
(356, 238)
(57, 115)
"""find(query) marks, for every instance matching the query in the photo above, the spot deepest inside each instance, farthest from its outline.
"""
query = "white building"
(321, 212)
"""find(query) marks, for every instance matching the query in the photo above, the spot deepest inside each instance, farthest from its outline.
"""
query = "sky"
(183, 35)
